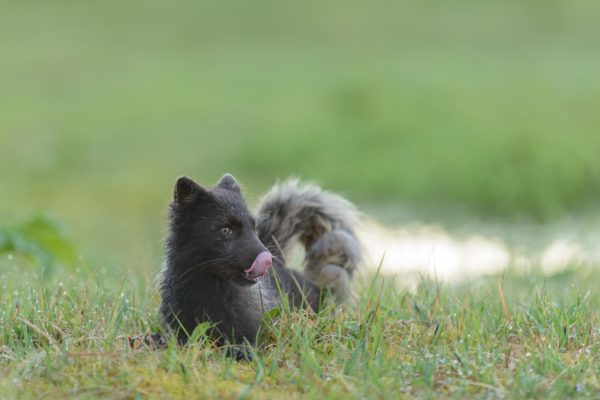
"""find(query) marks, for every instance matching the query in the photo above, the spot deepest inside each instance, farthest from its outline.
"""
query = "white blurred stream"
(434, 251)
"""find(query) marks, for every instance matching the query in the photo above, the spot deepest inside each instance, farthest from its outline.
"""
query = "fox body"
(226, 267)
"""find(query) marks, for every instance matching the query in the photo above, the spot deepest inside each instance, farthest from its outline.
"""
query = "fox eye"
(226, 231)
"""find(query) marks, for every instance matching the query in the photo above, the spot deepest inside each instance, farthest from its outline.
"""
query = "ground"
(516, 335)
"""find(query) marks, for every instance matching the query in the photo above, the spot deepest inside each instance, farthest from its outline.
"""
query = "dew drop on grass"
(10, 257)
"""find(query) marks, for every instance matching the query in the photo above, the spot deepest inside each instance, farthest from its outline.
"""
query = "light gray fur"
(322, 222)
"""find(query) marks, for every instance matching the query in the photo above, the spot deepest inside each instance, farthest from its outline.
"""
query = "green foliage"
(41, 239)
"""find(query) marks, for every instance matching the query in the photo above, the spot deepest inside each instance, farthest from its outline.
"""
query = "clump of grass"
(66, 336)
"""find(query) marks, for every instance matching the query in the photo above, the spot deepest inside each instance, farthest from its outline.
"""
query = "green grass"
(66, 336)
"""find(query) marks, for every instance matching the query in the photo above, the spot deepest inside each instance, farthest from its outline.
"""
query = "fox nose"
(261, 265)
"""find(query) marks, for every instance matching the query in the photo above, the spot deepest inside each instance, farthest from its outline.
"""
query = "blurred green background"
(492, 107)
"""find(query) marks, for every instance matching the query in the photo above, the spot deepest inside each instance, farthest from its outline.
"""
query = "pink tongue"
(261, 265)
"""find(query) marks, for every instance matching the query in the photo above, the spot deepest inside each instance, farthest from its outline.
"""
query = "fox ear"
(185, 190)
(228, 182)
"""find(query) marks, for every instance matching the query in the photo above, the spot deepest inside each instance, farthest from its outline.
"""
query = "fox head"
(213, 232)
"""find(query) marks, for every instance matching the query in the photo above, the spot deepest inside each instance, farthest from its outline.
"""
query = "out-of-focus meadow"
(486, 107)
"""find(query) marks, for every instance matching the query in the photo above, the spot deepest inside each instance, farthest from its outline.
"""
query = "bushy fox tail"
(322, 222)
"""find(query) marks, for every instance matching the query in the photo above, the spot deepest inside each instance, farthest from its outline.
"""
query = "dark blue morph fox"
(225, 266)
